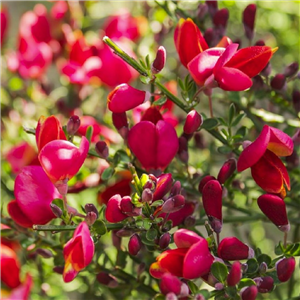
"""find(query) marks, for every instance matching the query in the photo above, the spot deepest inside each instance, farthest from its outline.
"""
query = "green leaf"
(246, 282)
(219, 270)
(148, 61)
(162, 100)
(108, 173)
(231, 292)
(89, 133)
(279, 250)
(193, 287)
(145, 80)
(264, 258)
(292, 250)
(223, 122)
(58, 202)
(99, 227)
(145, 241)
(237, 120)
(204, 293)
(209, 124)
(241, 131)
(224, 149)
(181, 85)
(157, 203)
(231, 113)
(151, 234)
(252, 266)
(159, 297)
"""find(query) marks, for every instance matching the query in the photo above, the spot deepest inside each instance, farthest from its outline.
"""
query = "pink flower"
(22, 291)
(262, 157)
(34, 192)
(61, 160)
(124, 97)
(191, 259)
(78, 252)
(154, 145)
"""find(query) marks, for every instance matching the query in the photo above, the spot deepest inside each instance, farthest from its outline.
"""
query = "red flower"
(262, 157)
(190, 260)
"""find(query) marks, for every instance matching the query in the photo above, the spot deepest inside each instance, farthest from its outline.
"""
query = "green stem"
(54, 227)
(121, 53)
(235, 219)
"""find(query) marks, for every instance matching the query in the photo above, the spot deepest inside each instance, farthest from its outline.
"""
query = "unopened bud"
(89, 207)
(90, 218)
(173, 204)
(260, 43)
(221, 17)
(203, 182)
(189, 221)
(73, 125)
(285, 268)
(291, 69)
(159, 61)
(199, 140)
(163, 186)
(147, 195)
(219, 286)
(209, 35)
(264, 284)
(116, 240)
(278, 82)
(58, 269)
(44, 253)
(193, 122)
(296, 100)
(235, 274)
(183, 150)
(249, 292)
(125, 232)
(249, 20)
(263, 267)
(56, 210)
(202, 10)
(212, 7)
(258, 83)
(267, 70)
(171, 296)
(164, 240)
(102, 149)
(176, 188)
(135, 244)
(107, 279)
(231, 248)
(120, 120)
(227, 170)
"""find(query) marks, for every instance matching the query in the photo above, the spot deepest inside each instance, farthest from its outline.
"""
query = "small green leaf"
(157, 203)
(145, 80)
(224, 149)
(58, 202)
(245, 282)
(292, 250)
(222, 122)
(159, 297)
(147, 224)
(204, 293)
(148, 61)
(89, 133)
(241, 131)
(181, 85)
(162, 100)
(151, 234)
(99, 227)
(219, 270)
(231, 292)
(108, 173)
(237, 120)
(193, 287)
(231, 113)
(252, 266)
(145, 241)
(279, 250)
(209, 124)
(264, 258)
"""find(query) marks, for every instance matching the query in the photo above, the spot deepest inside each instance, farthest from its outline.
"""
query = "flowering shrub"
(149, 152)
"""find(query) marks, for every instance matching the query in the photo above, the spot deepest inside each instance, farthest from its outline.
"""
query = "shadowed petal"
(280, 143)
(185, 238)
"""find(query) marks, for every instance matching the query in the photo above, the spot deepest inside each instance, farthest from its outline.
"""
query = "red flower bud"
(212, 203)
(249, 292)
(212, 7)
(45, 253)
(170, 284)
(221, 17)
(274, 208)
(120, 120)
(235, 274)
(73, 125)
(203, 182)
(113, 211)
(176, 189)
(285, 268)
(89, 207)
(102, 149)
(249, 20)
(192, 122)
(159, 61)
(183, 153)
(227, 170)
(264, 284)
(296, 100)
(135, 244)
(90, 218)
(173, 204)
(147, 195)
(164, 240)
(163, 186)
(232, 248)
(278, 82)
(107, 279)
(291, 69)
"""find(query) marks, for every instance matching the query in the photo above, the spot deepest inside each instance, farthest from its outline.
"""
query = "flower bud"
(278, 82)
(44, 253)
(258, 83)
(56, 210)
(90, 218)
(219, 286)
(89, 207)
(58, 269)
(232, 248)
(116, 240)
(73, 125)
(163, 186)
(285, 268)
(212, 7)
(221, 17)
(183, 150)
(170, 284)
(164, 240)
(107, 279)
(203, 182)
(147, 195)
(263, 267)
(193, 122)
(199, 297)
(202, 11)
(159, 61)
(128, 208)
(267, 70)
(135, 244)
(249, 20)
(102, 149)
(249, 292)
(176, 189)
(296, 100)
(264, 284)
(274, 208)
(227, 170)
(189, 221)
(260, 43)
(235, 274)
(291, 69)
(124, 232)
(173, 204)
(171, 296)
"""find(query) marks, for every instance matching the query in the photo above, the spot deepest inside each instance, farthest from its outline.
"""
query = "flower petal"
(280, 143)
(18, 215)
(226, 56)
(113, 211)
(185, 238)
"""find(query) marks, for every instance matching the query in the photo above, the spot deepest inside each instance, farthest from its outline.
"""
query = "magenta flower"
(154, 145)
(34, 192)
(61, 160)
(262, 157)
(191, 259)
(124, 97)
(78, 252)
(232, 248)
(274, 208)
